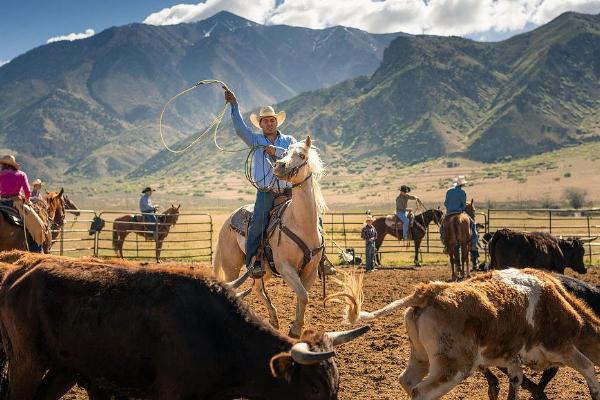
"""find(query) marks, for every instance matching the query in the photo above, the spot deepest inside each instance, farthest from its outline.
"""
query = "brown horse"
(126, 224)
(52, 212)
(417, 230)
(457, 238)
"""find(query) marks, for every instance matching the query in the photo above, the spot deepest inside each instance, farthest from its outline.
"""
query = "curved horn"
(239, 281)
(243, 294)
(342, 337)
(302, 354)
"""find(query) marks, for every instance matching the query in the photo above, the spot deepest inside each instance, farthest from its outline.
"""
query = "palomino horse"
(417, 232)
(126, 224)
(52, 212)
(303, 168)
(457, 238)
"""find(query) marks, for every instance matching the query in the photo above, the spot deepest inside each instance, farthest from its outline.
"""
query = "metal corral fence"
(344, 228)
(190, 238)
(584, 224)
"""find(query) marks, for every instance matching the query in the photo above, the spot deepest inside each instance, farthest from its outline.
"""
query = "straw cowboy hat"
(37, 182)
(267, 111)
(10, 160)
(369, 218)
(460, 180)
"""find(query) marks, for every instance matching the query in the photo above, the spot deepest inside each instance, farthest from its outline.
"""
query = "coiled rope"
(214, 124)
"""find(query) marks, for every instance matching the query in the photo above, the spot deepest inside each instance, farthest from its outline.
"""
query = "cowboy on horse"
(401, 209)
(148, 210)
(274, 144)
(456, 202)
(36, 193)
(15, 193)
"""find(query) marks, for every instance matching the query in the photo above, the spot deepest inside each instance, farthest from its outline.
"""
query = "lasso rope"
(248, 165)
(216, 122)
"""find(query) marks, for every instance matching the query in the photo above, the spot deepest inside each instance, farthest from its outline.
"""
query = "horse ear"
(179, 206)
(47, 192)
(172, 205)
(61, 192)
(308, 142)
(472, 200)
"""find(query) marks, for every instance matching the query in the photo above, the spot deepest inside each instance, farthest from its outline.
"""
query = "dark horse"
(417, 230)
(457, 241)
(51, 211)
(122, 226)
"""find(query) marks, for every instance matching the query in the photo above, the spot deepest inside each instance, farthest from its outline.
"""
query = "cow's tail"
(352, 297)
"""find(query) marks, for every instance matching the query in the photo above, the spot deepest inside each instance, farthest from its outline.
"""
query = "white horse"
(302, 167)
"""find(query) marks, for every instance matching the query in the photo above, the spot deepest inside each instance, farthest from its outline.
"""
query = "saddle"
(240, 222)
(393, 222)
(12, 214)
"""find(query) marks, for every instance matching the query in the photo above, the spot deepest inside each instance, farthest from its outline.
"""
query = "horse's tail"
(228, 257)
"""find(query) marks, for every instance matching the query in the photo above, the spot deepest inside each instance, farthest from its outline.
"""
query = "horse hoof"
(294, 333)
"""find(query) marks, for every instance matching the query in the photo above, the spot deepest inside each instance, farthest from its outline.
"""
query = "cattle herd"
(126, 331)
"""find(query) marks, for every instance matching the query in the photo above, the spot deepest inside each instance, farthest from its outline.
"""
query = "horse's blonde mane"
(318, 170)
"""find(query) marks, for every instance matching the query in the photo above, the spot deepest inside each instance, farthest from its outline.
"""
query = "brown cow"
(149, 333)
(503, 318)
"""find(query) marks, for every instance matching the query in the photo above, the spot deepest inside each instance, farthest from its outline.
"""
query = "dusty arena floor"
(370, 365)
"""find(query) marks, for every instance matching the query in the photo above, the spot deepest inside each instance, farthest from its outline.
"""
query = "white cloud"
(255, 10)
(3, 62)
(72, 36)
(440, 17)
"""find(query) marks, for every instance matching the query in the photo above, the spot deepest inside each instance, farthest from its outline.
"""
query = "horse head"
(56, 207)
(70, 206)
(470, 208)
(299, 162)
(172, 214)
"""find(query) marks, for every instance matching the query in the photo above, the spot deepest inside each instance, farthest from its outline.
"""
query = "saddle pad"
(240, 220)
(393, 222)
(12, 215)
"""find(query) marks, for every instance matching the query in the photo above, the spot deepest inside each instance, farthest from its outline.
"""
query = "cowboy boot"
(257, 269)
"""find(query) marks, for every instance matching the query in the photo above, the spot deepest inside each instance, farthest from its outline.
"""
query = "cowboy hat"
(37, 182)
(267, 111)
(460, 180)
(10, 160)
(405, 189)
(369, 218)
(148, 189)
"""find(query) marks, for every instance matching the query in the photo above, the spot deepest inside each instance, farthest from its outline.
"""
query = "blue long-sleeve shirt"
(146, 204)
(456, 200)
(262, 170)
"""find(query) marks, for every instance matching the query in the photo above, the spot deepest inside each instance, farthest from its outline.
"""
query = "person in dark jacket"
(369, 234)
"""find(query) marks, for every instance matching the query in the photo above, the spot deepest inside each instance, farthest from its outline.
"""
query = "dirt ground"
(369, 366)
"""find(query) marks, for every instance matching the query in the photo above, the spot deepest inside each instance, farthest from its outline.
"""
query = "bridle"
(295, 170)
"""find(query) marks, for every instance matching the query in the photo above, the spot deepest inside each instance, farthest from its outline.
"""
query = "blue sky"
(26, 24)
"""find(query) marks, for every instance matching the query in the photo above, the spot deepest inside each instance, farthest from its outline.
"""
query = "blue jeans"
(151, 219)
(405, 223)
(370, 255)
(258, 224)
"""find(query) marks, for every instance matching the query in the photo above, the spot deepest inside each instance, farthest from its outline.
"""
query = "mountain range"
(90, 107)
(449, 96)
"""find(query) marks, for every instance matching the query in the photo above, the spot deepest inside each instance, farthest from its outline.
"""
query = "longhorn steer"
(510, 248)
(585, 292)
(149, 333)
(505, 319)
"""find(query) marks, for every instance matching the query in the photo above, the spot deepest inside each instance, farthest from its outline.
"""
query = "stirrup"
(257, 269)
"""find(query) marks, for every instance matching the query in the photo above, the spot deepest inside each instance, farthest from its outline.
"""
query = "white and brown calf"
(506, 318)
